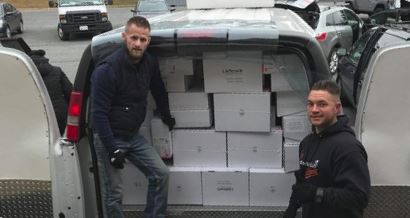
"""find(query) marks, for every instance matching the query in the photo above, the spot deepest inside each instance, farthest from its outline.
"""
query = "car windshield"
(152, 6)
(67, 3)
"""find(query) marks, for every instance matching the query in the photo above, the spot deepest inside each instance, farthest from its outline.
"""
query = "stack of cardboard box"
(226, 148)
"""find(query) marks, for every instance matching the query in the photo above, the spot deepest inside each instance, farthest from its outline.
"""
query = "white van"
(46, 177)
(82, 16)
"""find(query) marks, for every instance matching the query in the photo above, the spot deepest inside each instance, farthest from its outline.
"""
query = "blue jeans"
(146, 159)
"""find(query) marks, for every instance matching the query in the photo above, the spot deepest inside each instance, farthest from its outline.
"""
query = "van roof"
(272, 18)
(257, 26)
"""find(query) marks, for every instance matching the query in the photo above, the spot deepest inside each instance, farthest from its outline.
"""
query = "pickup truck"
(82, 16)
(284, 60)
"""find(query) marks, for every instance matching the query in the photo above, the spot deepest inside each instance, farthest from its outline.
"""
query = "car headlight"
(104, 16)
(1, 22)
(62, 18)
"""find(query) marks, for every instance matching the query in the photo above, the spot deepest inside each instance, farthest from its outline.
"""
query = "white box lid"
(257, 102)
(188, 101)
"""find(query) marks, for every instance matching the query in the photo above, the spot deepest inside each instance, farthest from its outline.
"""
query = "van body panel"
(27, 139)
(383, 127)
(25, 147)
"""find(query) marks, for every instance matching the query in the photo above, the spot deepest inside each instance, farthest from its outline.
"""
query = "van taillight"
(321, 36)
(74, 114)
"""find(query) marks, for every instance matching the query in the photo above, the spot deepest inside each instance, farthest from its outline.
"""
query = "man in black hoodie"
(58, 86)
(333, 180)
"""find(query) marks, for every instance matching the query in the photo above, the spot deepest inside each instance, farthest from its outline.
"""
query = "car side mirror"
(341, 52)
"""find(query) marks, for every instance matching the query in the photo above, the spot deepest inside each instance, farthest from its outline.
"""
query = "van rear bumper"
(87, 28)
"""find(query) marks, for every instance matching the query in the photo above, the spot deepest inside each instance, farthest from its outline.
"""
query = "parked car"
(369, 6)
(82, 16)
(353, 65)
(150, 8)
(335, 27)
(11, 20)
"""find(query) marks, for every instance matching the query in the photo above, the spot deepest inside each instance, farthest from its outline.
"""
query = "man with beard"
(333, 180)
(119, 89)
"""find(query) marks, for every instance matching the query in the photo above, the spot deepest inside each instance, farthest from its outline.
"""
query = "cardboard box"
(242, 112)
(225, 186)
(270, 187)
(177, 83)
(161, 138)
(296, 127)
(255, 149)
(185, 186)
(288, 103)
(135, 185)
(291, 155)
(201, 147)
(239, 72)
(192, 118)
(188, 101)
(176, 66)
(287, 73)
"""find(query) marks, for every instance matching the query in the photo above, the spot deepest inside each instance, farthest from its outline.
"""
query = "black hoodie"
(336, 161)
(58, 86)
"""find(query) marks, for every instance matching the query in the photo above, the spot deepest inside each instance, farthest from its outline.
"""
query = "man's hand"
(290, 211)
(292, 208)
(169, 121)
(117, 159)
(304, 192)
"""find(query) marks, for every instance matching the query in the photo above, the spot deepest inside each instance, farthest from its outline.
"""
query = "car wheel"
(21, 27)
(8, 32)
(61, 34)
(333, 63)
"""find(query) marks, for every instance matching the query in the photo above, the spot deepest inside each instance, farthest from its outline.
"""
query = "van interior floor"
(213, 211)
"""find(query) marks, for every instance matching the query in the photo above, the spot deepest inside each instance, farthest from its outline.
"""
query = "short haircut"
(139, 22)
(327, 85)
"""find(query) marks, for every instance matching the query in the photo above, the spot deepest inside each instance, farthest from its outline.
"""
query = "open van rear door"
(38, 174)
(28, 130)
(383, 125)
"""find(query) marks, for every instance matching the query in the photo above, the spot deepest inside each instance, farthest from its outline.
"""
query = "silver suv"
(369, 6)
(336, 27)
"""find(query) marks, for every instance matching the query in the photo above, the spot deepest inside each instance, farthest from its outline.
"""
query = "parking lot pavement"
(40, 32)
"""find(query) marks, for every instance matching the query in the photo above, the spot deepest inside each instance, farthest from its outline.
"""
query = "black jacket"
(119, 92)
(58, 87)
(336, 161)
